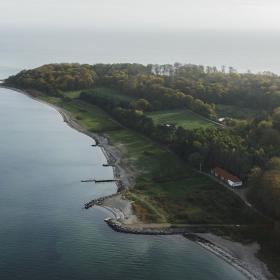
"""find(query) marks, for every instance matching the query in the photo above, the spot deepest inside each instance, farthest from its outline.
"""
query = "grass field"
(72, 93)
(185, 118)
(166, 189)
(89, 116)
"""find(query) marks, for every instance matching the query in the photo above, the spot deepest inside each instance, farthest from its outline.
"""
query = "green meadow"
(185, 118)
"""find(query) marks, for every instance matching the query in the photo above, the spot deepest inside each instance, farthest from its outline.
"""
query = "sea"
(45, 232)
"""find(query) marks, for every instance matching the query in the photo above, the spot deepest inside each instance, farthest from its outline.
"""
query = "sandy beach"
(242, 257)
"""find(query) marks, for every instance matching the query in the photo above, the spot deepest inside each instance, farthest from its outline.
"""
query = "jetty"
(101, 180)
(108, 164)
(96, 143)
(97, 201)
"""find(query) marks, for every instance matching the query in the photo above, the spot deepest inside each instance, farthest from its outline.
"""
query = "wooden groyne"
(100, 181)
(96, 142)
(108, 165)
(87, 181)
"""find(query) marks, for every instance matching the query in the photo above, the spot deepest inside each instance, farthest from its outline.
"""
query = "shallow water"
(45, 234)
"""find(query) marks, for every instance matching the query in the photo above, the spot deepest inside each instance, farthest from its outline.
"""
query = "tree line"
(53, 78)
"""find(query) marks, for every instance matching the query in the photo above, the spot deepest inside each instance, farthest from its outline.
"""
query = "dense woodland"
(54, 77)
(249, 148)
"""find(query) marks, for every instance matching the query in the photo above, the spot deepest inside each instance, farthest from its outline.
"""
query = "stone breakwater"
(120, 227)
(98, 201)
(187, 233)
(123, 228)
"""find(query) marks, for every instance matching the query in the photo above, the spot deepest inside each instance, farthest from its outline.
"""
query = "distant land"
(169, 126)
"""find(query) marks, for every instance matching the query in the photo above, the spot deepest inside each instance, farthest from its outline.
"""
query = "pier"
(96, 143)
(100, 180)
(108, 165)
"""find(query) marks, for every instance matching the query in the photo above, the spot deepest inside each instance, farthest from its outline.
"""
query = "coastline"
(121, 208)
(242, 257)
(111, 152)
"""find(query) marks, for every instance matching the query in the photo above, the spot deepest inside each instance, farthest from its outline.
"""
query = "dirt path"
(161, 215)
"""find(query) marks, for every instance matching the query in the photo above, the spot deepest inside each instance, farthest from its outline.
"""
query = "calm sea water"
(46, 235)
(22, 49)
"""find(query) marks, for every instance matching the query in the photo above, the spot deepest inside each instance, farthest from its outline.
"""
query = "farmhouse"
(225, 176)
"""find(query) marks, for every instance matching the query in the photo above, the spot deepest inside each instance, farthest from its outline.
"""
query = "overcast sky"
(143, 14)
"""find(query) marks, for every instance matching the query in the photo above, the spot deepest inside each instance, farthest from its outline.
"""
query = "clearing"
(184, 118)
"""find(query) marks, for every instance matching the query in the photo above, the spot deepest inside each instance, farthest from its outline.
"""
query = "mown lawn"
(73, 93)
(185, 118)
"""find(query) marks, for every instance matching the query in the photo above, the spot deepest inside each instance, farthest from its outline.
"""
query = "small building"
(226, 177)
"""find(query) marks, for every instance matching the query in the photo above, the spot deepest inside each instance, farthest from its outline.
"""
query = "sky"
(142, 14)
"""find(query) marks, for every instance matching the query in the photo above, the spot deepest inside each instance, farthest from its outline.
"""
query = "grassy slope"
(166, 188)
(184, 118)
(89, 116)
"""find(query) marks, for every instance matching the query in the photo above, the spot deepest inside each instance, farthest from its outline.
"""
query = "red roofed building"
(225, 176)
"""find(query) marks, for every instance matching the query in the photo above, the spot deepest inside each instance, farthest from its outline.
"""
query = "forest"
(248, 147)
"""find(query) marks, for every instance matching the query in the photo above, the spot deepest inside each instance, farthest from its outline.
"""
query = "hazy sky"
(144, 14)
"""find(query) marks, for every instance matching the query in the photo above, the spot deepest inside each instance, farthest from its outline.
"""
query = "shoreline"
(240, 256)
(210, 242)
(111, 153)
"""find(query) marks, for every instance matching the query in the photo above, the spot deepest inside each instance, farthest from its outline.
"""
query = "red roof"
(226, 175)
